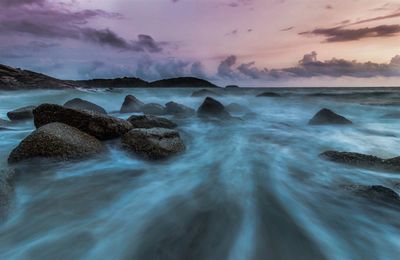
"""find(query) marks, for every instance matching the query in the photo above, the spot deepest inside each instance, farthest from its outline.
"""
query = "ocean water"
(254, 189)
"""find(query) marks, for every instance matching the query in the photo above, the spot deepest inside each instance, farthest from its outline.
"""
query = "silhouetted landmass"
(15, 79)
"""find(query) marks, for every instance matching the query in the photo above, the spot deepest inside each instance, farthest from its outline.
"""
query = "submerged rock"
(22, 113)
(56, 141)
(153, 109)
(362, 160)
(81, 104)
(212, 108)
(176, 109)
(154, 143)
(269, 94)
(148, 121)
(6, 190)
(375, 193)
(327, 117)
(101, 126)
(131, 105)
(204, 93)
(236, 108)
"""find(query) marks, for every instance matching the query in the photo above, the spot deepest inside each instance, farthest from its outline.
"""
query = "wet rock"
(375, 193)
(153, 109)
(176, 109)
(6, 190)
(269, 94)
(154, 143)
(362, 160)
(212, 108)
(81, 104)
(56, 141)
(131, 105)
(22, 113)
(148, 121)
(101, 126)
(204, 93)
(236, 108)
(328, 117)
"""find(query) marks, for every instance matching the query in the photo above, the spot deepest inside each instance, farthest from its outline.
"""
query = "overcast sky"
(249, 42)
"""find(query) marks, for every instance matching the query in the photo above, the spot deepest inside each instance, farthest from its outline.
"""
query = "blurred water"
(255, 189)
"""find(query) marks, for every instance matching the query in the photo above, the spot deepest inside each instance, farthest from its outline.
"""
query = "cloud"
(309, 67)
(45, 19)
(339, 34)
(287, 29)
(20, 51)
(378, 18)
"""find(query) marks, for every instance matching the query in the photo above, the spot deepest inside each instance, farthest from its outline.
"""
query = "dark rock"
(98, 125)
(81, 104)
(131, 105)
(153, 109)
(56, 141)
(375, 193)
(204, 93)
(326, 117)
(154, 143)
(236, 108)
(232, 87)
(212, 108)
(15, 79)
(182, 82)
(173, 108)
(148, 121)
(362, 160)
(6, 190)
(269, 94)
(22, 113)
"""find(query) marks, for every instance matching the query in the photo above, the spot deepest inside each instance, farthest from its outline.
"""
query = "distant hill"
(14, 79)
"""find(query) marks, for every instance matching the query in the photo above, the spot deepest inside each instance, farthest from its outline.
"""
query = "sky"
(246, 42)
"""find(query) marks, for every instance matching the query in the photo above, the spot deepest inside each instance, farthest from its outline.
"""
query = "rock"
(6, 190)
(236, 108)
(131, 105)
(182, 82)
(154, 143)
(81, 104)
(204, 93)
(153, 109)
(269, 94)
(176, 109)
(212, 108)
(148, 121)
(22, 113)
(327, 117)
(101, 126)
(375, 193)
(362, 160)
(232, 87)
(56, 141)
(4, 123)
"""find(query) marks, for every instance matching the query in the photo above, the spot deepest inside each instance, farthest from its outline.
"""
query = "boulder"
(204, 93)
(362, 160)
(148, 121)
(56, 141)
(328, 117)
(101, 126)
(153, 109)
(22, 113)
(236, 108)
(81, 104)
(212, 108)
(176, 109)
(269, 94)
(154, 143)
(131, 105)
(375, 193)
